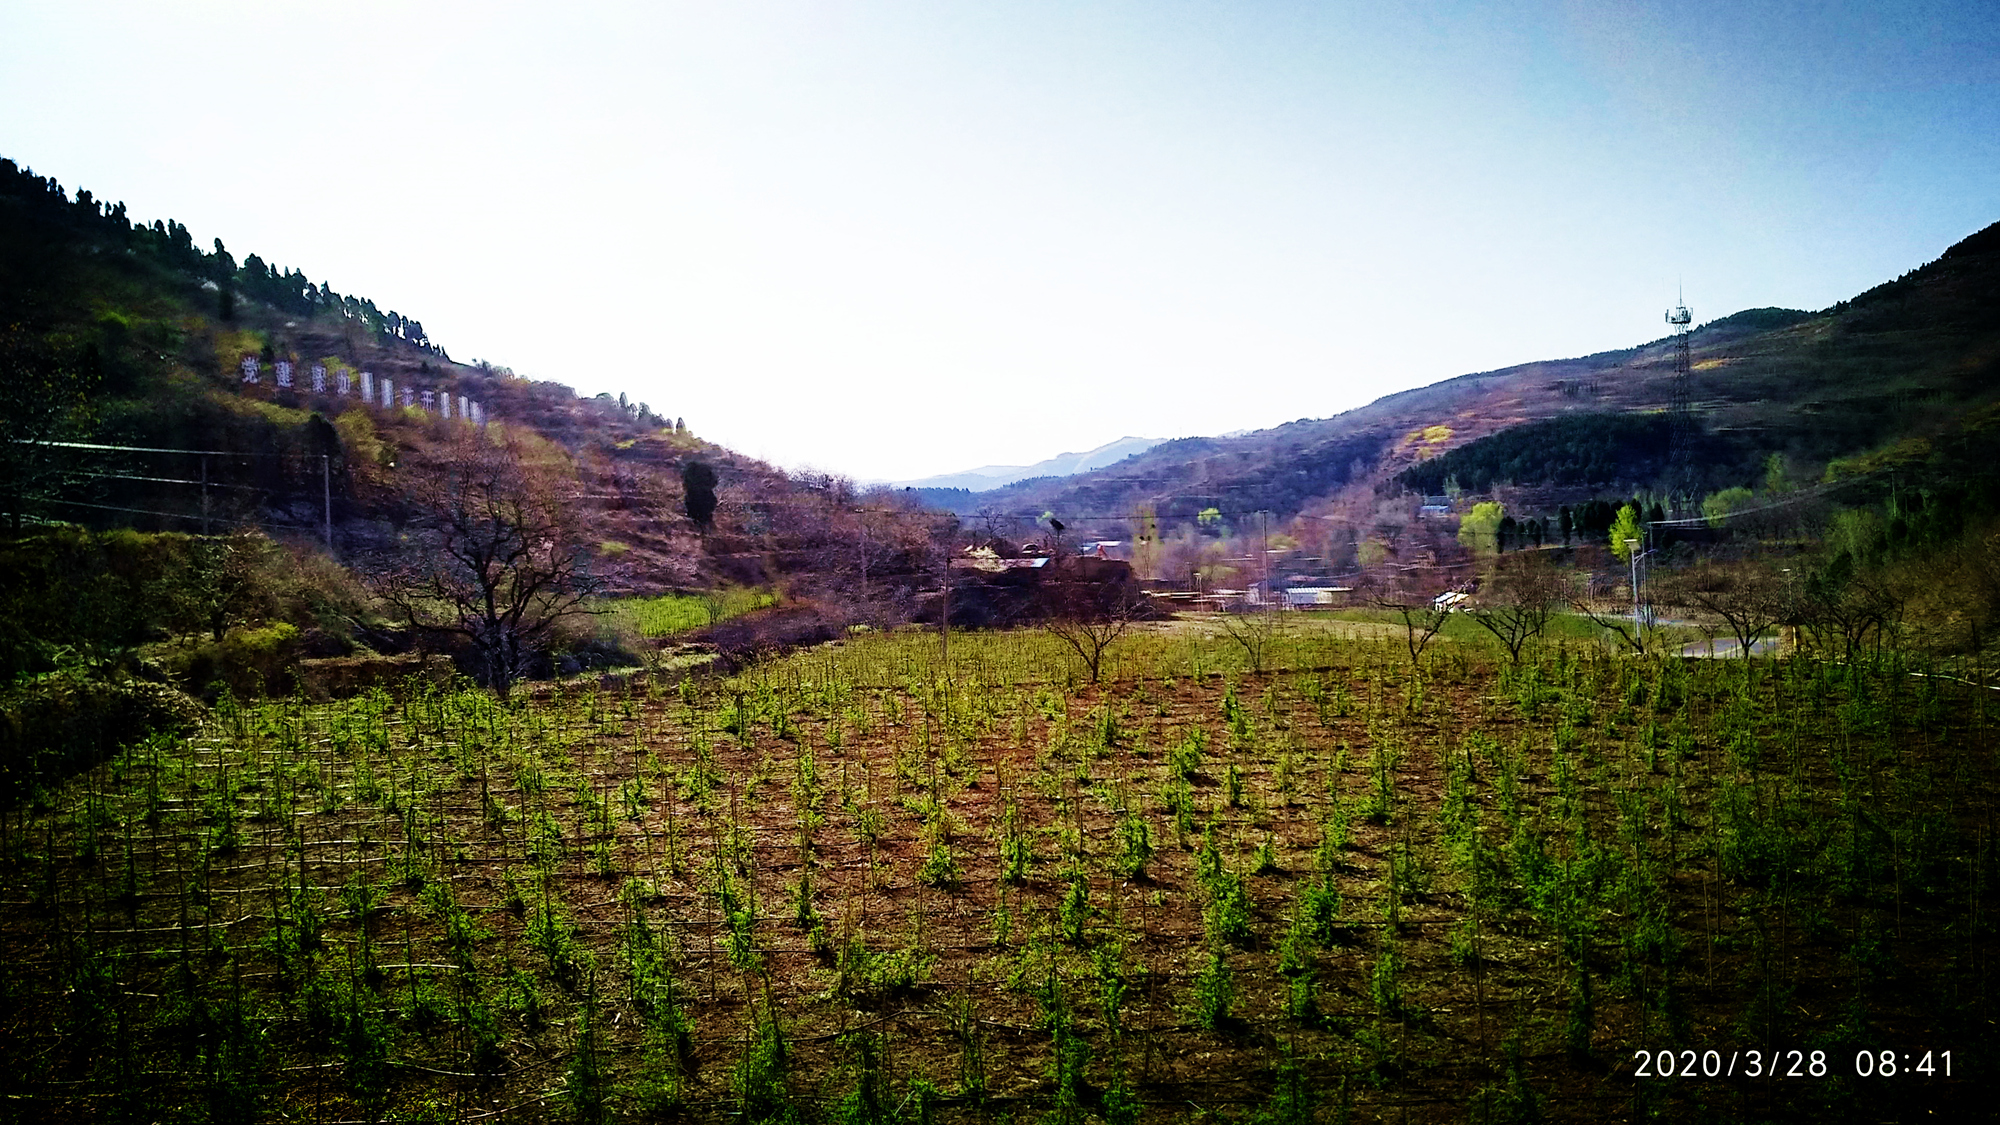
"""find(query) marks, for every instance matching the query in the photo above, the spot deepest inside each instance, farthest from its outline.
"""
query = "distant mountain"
(988, 477)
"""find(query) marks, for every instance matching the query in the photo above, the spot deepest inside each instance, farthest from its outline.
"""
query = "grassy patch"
(668, 614)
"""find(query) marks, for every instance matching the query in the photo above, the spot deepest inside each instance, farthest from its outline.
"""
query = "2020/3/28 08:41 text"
(1689, 1063)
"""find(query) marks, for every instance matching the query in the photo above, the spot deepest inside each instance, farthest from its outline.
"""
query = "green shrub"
(1184, 760)
(1214, 992)
(68, 721)
(1135, 846)
(1227, 914)
(73, 596)
(249, 662)
(940, 867)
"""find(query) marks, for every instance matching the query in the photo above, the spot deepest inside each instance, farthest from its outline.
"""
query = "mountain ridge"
(128, 338)
(988, 477)
(1905, 356)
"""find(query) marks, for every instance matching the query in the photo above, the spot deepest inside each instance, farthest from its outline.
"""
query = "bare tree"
(1515, 606)
(496, 553)
(1089, 615)
(872, 555)
(219, 582)
(1747, 596)
(1252, 631)
(1626, 630)
(1422, 608)
(1842, 605)
(998, 524)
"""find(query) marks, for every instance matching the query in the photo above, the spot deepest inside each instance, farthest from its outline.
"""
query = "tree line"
(1574, 449)
(169, 244)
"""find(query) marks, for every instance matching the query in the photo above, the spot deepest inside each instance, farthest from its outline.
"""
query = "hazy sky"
(893, 239)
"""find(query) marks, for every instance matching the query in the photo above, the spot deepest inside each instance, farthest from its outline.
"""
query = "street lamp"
(1638, 624)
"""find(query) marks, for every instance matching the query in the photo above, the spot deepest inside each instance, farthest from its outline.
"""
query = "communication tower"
(1680, 407)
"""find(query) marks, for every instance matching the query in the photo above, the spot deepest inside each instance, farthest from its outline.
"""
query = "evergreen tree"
(698, 487)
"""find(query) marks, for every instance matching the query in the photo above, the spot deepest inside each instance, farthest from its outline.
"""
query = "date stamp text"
(1687, 1063)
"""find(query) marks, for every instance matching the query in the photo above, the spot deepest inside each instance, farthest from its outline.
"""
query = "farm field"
(851, 885)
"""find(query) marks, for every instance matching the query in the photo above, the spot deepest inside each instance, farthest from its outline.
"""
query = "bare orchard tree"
(996, 524)
(1626, 630)
(1622, 626)
(1516, 604)
(1957, 593)
(1252, 629)
(1089, 616)
(1841, 605)
(1747, 595)
(496, 551)
(1416, 597)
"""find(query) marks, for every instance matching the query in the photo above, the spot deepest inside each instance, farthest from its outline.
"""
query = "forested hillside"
(124, 333)
(59, 251)
(238, 453)
(1573, 449)
(1907, 358)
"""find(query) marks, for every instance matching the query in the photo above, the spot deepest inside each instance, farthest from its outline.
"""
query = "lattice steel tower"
(1680, 406)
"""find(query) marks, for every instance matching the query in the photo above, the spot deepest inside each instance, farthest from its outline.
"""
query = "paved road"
(1727, 646)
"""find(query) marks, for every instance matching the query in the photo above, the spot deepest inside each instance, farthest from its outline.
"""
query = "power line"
(174, 480)
(167, 515)
(1799, 498)
(134, 511)
(205, 517)
(139, 449)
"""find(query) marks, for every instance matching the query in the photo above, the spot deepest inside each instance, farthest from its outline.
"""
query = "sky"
(895, 239)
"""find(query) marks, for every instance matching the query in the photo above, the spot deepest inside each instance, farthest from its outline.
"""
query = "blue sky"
(894, 239)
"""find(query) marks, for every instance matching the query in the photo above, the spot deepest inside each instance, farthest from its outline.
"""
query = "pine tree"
(698, 487)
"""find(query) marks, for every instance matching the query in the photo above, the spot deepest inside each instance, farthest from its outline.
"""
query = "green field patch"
(668, 614)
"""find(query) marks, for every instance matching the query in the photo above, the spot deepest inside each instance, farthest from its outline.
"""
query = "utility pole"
(1264, 551)
(863, 522)
(944, 613)
(205, 497)
(1638, 623)
(326, 496)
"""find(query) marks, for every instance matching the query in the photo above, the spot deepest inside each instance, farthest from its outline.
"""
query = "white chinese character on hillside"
(319, 379)
(368, 386)
(444, 405)
(464, 407)
(341, 383)
(409, 396)
(284, 370)
(250, 368)
(388, 391)
(430, 397)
